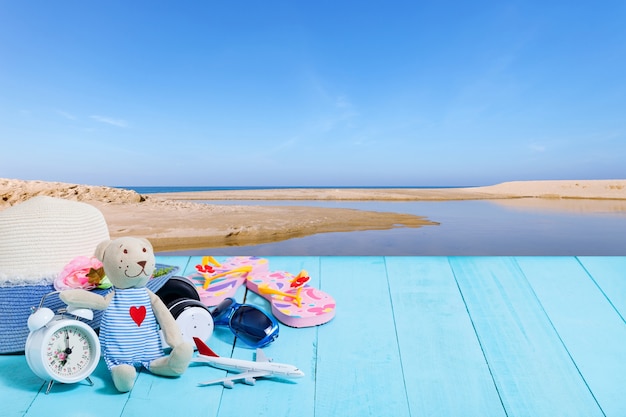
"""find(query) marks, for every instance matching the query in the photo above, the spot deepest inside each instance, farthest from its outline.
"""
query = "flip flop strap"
(296, 298)
(210, 260)
(210, 278)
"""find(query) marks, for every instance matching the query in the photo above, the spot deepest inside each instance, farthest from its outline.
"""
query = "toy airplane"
(247, 371)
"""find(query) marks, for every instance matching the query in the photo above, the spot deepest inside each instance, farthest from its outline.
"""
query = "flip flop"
(216, 281)
(294, 302)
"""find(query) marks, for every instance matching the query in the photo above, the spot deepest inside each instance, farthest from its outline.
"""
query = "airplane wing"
(247, 377)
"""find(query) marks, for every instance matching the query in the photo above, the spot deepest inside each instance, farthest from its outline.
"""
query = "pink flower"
(74, 274)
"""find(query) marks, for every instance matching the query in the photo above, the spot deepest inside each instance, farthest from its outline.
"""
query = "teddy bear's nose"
(142, 264)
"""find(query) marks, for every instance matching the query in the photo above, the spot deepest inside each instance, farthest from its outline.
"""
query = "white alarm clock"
(60, 348)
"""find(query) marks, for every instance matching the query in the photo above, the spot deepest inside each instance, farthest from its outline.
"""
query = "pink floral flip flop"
(216, 281)
(294, 303)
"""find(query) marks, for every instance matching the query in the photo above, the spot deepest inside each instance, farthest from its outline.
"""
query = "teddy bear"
(129, 329)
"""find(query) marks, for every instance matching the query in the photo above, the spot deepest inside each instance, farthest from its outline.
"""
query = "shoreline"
(173, 221)
(559, 189)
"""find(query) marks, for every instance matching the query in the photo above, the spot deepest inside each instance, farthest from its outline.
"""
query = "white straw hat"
(41, 235)
(37, 239)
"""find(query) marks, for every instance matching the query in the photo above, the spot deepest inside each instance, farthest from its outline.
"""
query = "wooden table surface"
(412, 336)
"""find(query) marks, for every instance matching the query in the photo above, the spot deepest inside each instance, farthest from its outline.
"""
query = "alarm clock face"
(65, 351)
(69, 352)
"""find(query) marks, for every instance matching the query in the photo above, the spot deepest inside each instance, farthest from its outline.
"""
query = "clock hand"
(68, 349)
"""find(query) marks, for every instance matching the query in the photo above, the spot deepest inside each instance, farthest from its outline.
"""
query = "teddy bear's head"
(128, 261)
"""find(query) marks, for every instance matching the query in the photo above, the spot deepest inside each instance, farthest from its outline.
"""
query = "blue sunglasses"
(249, 323)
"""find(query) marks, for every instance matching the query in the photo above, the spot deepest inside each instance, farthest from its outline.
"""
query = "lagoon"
(559, 227)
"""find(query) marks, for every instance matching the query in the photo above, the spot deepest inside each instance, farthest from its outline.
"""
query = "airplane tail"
(203, 349)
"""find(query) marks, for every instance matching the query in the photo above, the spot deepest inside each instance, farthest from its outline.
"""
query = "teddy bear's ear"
(99, 253)
(146, 242)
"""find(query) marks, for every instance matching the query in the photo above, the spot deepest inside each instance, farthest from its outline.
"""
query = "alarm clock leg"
(49, 386)
(89, 381)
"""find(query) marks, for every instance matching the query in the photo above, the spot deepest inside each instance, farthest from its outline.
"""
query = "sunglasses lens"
(252, 325)
(220, 313)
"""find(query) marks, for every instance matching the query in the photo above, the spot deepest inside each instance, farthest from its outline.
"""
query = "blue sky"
(312, 93)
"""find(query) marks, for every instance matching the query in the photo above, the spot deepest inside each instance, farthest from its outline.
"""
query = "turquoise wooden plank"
(80, 399)
(609, 272)
(532, 369)
(295, 346)
(439, 348)
(19, 386)
(593, 332)
(179, 261)
(359, 371)
(157, 395)
(348, 352)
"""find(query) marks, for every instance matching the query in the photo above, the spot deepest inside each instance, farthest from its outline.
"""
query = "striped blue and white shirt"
(129, 332)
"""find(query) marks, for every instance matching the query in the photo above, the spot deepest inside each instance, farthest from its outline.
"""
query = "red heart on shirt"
(138, 314)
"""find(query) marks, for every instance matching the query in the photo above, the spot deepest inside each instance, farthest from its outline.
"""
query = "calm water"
(503, 227)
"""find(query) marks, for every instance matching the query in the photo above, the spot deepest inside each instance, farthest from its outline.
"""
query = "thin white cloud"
(110, 121)
(342, 114)
(65, 114)
(279, 149)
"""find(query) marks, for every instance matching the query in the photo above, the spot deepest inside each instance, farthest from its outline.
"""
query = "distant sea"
(180, 189)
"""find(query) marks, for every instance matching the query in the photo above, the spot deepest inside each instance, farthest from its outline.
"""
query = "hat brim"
(16, 305)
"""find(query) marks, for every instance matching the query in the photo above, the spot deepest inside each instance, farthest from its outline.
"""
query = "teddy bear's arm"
(85, 299)
(171, 331)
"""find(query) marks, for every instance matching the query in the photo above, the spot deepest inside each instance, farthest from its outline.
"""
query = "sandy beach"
(175, 222)
(587, 189)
